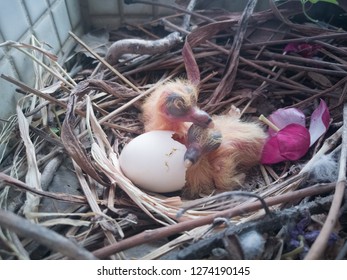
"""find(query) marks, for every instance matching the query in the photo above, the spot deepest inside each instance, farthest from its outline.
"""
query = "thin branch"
(183, 226)
(104, 62)
(24, 187)
(318, 247)
(44, 236)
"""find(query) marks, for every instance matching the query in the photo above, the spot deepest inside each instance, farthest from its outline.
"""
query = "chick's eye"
(215, 140)
(176, 105)
(179, 104)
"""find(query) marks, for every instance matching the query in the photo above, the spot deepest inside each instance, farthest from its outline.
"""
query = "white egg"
(155, 162)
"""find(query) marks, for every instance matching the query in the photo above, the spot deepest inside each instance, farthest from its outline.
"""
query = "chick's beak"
(201, 118)
(192, 155)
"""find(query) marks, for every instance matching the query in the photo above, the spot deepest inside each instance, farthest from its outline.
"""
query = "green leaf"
(329, 1)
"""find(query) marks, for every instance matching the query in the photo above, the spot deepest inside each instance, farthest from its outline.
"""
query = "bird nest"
(61, 177)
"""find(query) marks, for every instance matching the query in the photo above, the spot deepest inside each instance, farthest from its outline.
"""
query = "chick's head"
(179, 103)
(201, 141)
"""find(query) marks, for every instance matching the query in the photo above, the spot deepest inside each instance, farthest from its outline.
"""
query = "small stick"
(151, 235)
(39, 93)
(265, 175)
(222, 196)
(229, 75)
(141, 46)
(186, 18)
(268, 122)
(58, 196)
(105, 63)
(337, 73)
(295, 40)
(177, 8)
(19, 47)
(44, 236)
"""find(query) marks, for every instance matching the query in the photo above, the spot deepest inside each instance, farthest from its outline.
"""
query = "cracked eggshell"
(155, 162)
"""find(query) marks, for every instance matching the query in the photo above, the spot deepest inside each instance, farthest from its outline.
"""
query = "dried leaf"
(33, 176)
(65, 221)
(52, 88)
(192, 67)
(320, 79)
(226, 84)
(73, 146)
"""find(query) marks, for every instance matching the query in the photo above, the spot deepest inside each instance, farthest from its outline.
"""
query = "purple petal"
(283, 117)
(271, 152)
(304, 49)
(291, 47)
(320, 120)
(290, 143)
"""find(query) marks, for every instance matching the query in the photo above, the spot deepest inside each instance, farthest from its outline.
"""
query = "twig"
(177, 8)
(105, 63)
(186, 18)
(20, 47)
(223, 196)
(321, 242)
(141, 46)
(271, 223)
(296, 40)
(58, 196)
(305, 61)
(92, 201)
(285, 65)
(156, 234)
(39, 93)
(229, 76)
(43, 236)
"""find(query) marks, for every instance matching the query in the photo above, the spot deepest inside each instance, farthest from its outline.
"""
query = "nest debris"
(61, 173)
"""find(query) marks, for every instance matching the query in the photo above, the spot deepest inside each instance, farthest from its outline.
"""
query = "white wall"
(50, 21)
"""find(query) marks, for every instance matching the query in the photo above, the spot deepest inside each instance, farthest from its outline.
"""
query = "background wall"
(50, 21)
(113, 13)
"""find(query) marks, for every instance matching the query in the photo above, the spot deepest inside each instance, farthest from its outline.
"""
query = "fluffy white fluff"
(325, 169)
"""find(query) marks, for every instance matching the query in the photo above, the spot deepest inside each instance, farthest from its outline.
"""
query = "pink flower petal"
(283, 117)
(291, 47)
(320, 120)
(304, 49)
(290, 143)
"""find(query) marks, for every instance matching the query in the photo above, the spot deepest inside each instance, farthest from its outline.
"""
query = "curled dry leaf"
(73, 146)
(33, 176)
(190, 64)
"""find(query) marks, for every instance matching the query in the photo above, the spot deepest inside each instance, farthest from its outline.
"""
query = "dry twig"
(44, 236)
(321, 242)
